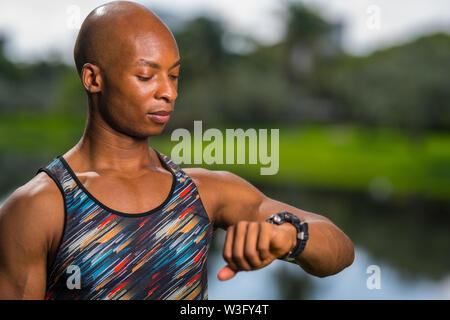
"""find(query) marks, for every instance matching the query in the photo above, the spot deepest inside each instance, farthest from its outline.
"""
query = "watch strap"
(302, 232)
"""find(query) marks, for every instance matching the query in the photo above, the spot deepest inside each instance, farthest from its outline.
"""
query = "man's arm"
(251, 243)
(27, 221)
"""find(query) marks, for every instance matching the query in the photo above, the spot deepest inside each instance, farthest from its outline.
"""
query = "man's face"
(140, 84)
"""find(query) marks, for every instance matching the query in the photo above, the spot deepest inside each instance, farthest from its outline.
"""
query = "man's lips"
(159, 116)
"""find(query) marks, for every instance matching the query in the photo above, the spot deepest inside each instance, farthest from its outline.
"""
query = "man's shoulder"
(210, 181)
(38, 198)
(210, 176)
(225, 194)
(221, 185)
(200, 173)
(31, 222)
(215, 178)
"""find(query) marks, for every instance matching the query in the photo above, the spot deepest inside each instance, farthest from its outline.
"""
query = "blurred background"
(360, 91)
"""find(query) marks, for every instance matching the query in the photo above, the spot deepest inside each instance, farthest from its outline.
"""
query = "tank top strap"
(171, 165)
(66, 183)
(60, 175)
(185, 187)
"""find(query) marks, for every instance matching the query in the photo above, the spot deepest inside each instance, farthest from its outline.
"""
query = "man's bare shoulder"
(205, 176)
(211, 180)
(35, 206)
(41, 192)
(223, 189)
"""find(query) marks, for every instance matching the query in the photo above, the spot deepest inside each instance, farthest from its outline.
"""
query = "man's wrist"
(301, 228)
(292, 232)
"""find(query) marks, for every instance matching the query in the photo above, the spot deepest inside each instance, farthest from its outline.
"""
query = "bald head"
(110, 32)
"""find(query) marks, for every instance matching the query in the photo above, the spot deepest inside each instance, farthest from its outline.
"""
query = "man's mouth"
(159, 116)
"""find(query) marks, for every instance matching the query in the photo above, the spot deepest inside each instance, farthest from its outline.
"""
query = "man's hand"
(251, 245)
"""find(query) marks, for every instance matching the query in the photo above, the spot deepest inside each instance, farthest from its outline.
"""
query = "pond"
(282, 280)
(384, 239)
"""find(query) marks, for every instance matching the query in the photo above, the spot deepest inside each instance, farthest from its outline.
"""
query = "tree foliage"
(305, 78)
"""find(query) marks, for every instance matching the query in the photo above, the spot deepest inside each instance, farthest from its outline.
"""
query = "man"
(114, 219)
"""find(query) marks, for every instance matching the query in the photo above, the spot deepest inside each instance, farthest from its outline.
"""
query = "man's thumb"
(225, 273)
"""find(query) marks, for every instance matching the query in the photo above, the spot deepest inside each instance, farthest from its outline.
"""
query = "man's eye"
(174, 77)
(141, 78)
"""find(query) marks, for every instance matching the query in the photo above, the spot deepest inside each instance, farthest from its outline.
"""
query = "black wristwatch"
(302, 232)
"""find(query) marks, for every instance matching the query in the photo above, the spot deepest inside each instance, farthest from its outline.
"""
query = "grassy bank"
(383, 161)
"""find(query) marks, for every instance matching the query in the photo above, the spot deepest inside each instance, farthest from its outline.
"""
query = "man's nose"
(167, 90)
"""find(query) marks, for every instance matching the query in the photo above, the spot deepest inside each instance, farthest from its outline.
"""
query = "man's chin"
(154, 131)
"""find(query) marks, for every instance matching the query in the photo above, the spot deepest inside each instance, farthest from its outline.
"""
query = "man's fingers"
(264, 237)
(250, 250)
(228, 248)
(247, 247)
(238, 257)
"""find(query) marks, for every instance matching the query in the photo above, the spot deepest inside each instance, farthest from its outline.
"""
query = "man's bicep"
(27, 281)
(238, 200)
(23, 249)
(270, 206)
(230, 199)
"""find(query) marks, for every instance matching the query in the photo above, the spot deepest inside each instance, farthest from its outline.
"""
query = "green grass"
(351, 158)
(355, 158)
(336, 157)
(35, 133)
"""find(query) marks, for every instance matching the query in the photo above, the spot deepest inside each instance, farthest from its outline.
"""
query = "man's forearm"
(327, 251)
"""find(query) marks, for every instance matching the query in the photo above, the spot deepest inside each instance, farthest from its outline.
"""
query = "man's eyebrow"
(155, 65)
(176, 64)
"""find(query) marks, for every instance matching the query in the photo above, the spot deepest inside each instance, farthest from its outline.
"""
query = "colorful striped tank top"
(106, 254)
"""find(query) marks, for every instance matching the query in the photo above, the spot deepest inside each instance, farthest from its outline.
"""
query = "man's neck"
(101, 147)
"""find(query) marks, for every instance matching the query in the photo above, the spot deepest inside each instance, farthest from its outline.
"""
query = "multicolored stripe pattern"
(109, 255)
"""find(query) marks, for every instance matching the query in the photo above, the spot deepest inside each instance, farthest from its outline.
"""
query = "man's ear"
(91, 78)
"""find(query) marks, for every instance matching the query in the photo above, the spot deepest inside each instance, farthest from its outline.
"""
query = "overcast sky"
(36, 28)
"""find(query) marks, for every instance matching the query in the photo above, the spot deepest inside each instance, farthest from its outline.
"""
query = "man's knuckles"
(257, 254)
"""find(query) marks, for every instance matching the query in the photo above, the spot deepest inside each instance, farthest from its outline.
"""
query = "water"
(406, 239)
(351, 283)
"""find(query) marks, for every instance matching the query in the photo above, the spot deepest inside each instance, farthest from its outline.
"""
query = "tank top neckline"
(110, 210)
